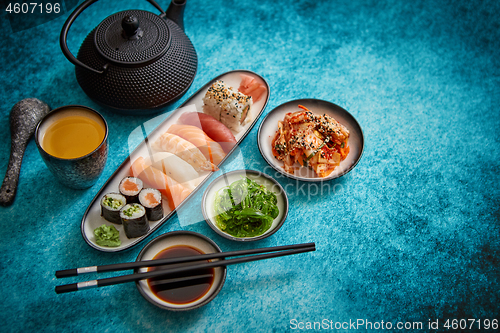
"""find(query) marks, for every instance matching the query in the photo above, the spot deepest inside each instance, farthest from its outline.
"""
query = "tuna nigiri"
(216, 130)
(184, 149)
(172, 190)
(211, 149)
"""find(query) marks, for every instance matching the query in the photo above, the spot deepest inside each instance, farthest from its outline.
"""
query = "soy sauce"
(185, 287)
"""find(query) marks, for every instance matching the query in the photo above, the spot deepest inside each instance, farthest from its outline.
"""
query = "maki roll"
(130, 188)
(228, 106)
(111, 204)
(150, 198)
(134, 220)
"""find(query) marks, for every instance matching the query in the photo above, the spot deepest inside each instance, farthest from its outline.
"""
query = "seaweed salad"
(245, 208)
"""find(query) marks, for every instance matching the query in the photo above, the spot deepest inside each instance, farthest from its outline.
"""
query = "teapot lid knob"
(132, 38)
(131, 29)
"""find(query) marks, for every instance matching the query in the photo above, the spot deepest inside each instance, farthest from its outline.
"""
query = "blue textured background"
(411, 234)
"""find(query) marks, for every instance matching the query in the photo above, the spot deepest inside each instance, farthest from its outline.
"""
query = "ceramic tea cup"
(73, 142)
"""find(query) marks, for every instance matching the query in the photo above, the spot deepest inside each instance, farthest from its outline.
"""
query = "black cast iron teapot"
(134, 61)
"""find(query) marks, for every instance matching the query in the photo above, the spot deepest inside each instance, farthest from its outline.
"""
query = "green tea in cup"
(73, 143)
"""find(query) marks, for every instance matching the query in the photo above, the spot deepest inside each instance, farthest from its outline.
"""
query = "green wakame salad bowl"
(245, 205)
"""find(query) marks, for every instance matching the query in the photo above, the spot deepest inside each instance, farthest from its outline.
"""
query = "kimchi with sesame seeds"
(316, 141)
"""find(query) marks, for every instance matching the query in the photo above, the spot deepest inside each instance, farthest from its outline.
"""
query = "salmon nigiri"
(211, 149)
(172, 190)
(186, 150)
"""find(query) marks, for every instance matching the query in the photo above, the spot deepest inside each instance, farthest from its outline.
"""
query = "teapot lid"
(132, 37)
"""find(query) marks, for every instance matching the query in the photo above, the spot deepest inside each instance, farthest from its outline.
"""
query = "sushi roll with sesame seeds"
(150, 198)
(134, 220)
(228, 106)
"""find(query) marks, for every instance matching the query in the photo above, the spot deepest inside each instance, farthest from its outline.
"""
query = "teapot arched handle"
(67, 25)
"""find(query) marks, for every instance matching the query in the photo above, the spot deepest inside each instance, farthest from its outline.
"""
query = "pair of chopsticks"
(269, 252)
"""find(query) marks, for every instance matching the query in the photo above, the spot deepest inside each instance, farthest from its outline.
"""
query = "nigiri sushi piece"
(211, 149)
(175, 167)
(216, 130)
(229, 106)
(185, 150)
(251, 87)
(172, 190)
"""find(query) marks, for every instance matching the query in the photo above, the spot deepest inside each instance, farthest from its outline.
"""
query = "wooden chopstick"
(147, 275)
(168, 261)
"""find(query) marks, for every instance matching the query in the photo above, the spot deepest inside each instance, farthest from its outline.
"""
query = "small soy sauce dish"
(183, 291)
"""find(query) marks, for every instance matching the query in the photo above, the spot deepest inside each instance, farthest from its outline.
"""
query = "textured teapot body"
(138, 67)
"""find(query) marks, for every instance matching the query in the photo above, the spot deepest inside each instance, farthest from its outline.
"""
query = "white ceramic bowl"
(208, 201)
(175, 238)
(269, 126)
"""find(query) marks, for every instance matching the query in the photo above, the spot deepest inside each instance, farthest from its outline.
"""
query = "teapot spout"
(175, 12)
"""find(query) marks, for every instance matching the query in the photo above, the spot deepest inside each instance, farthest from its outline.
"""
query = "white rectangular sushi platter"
(92, 218)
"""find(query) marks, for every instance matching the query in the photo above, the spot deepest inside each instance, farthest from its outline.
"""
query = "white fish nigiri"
(174, 167)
